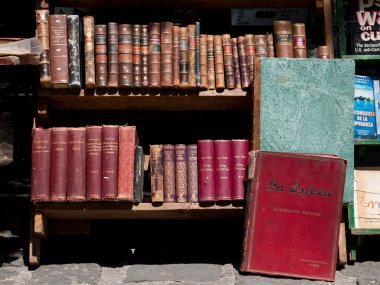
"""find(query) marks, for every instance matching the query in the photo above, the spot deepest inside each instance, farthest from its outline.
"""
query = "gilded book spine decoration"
(250, 55)
(197, 53)
(101, 56)
(136, 51)
(228, 62)
(299, 40)
(166, 54)
(283, 38)
(144, 56)
(192, 56)
(180, 173)
(203, 61)
(236, 63)
(156, 173)
(219, 63)
(176, 57)
(154, 55)
(192, 173)
(183, 57)
(42, 20)
(113, 55)
(125, 56)
(210, 62)
(260, 45)
(169, 173)
(89, 51)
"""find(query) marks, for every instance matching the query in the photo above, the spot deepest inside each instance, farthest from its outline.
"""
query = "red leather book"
(40, 182)
(154, 55)
(58, 162)
(176, 57)
(180, 173)
(166, 54)
(101, 76)
(76, 164)
(293, 212)
(239, 162)
(110, 154)
(144, 56)
(169, 173)
(206, 170)
(192, 173)
(222, 160)
(125, 56)
(94, 162)
(127, 142)
(136, 55)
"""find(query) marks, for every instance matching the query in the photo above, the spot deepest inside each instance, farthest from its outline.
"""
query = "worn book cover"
(293, 211)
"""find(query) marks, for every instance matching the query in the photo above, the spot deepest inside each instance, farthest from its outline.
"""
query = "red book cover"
(293, 211)
(127, 141)
(169, 173)
(222, 160)
(206, 171)
(94, 162)
(239, 162)
(58, 171)
(110, 154)
(76, 164)
(40, 182)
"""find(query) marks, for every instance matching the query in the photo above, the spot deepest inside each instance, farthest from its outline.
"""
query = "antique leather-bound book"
(138, 185)
(228, 61)
(76, 164)
(260, 45)
(324, 52)
(101, 76)
(113, 55)
(206, 171)
(110, 155)
(176, 57)
(243, 62)
(223, 177)
(299, 40)
(136, 51)
(58, 51)
(210, 62)
(197, 54)
(154, 55)
(42, 21)
(180, 156)
(301, 195)
(239, 163)
(89, 51)
(156, 173)
(270, 46)
(236, 63)
(94, 162)
(125, 56)
(250, 55)
(191, 56)
(283, 38)
(58, 164)
(183, 57)
(168, 158)
(40, 176)
(144, 56)
(166, 54)
(192, 173)
(203, 61)
(128, 140)
(219, 63)
(74, 51)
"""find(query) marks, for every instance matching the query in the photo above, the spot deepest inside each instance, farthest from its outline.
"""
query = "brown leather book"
(324, 52)
(169, 173)
(228, 61)
(243, 62)
(74, 51)
(110, 155)
(101, 56)
(89, 52)
(210, 62)
(42, 21)
(299, 40)
(176, 57)
(94, 162)
(76, 164)
(136, 51)
(58, 51)
(236, 64)
(128, 140)
(203, 61)
(125, 56)
(166, 54)
(58, 162)
(144, 56)
(156, 174)
(191, 55)
(250, 52)
(192, 173)
(260, 45)
(180, 173)
(219, 63)
(154, 55)
(283, 38)
(270, 46)
(183, 57)
(113, 54)
(40, 176)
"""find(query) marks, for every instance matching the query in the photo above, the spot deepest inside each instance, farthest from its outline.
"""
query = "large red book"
(206, 171)
(293, 211)
(222, 165)
(239, 162)
(110, 154)
(94, 162)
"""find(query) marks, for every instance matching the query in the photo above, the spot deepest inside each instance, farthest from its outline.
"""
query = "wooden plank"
(34, 251)
(342, 245)
(9, 60)
(69, 227)
(327, 15)
(256, 105)
(40, 225)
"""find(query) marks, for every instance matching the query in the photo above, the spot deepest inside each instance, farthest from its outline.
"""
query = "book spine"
(154, 55)
(228, 61)
(76, 164)
(89, 52)
(299, 40)
(110, 154)
(74, 51)
(260, 46)
(324, 52)
(127, 142)
(40, 176)
(250, 54)
(138, 183)
(222, 154)
(198, 54)
(283, 38)
(206, 172)
(219, 63)
(210, 62)
(166, 54)
(183, 57)
(125, 56)
(136, 58)
(192, 173)
(236, 64)
(176, 57)
(58, 164)
(270, 46)
(94, 162)
(144, 56)
(239, 163)
(203, 61)
(58, 51)
(113, 55)
(243, 63)
(191, 55)
(169, 173)
(101, 56)
(42, 21)
(180, 157)
(156, 173)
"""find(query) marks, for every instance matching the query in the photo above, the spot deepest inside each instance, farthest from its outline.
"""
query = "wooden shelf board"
(123, 210)
(367, 142)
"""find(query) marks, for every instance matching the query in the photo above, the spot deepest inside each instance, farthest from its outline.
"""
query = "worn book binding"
(210, 63)
(180, 156)
(239, 162)
(101, 56)
(156, 173)
(144, 47)
(183, 57)
(228, 61)
(169, 173)
(283, 38)
(89, 51)
(192, 173)
(176, 57)
(219, 63)
(206, 172)
(74, 51)
(138, 185)
(113, 55)
(166, 54)
(244, 73)
(42, 21)
(136, 55)
(154, 55)
(94, 162)
(222, 165)
(299, 40)
(236, 63)
(125, 56)
(192, 56)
